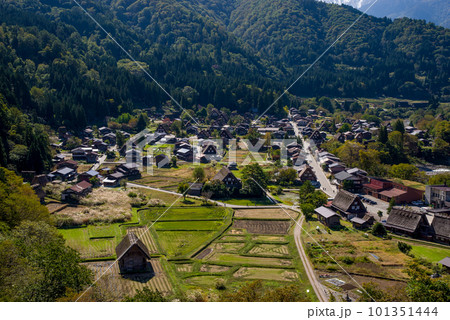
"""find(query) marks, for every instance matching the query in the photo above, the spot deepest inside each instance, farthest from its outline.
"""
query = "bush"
(404, 247)
(220, 284)
(379, 230)
(348, 260)
(132, 194)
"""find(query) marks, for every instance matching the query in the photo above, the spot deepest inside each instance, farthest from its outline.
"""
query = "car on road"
(315, 184)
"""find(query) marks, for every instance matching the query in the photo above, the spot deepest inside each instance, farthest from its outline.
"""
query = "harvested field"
(145, 237)
(232, 238)
(237, 259)
(128, 284)
(55, 206)
(213, 268)
(266, 274)
(269, 238)
(270, 250)
(275, 213)
(204, 253)
(185, 267)
(263, 226)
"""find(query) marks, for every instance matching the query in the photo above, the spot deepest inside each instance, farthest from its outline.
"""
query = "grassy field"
(181, 231)
(248, 202)
(432, 254)
(237, 258)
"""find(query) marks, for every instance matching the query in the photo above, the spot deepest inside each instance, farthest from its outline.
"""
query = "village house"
(407, 221)
(204, 134)
(132, 254)
(163, 128)
(209, 148)
(77, 191)
(441, 227)
(438, 196)
(100, 145)
(110, 138)
(348, 205)
(354, 181)
(88, 175)
(192, 130)
(40, 193)
(67, 164)
(58, 158)
(104, 130)
(362, 223)
(185, 154)
(336, 167)
(64, 174)
(327, 217)
(195, 189)
(306, 173)
(445, 263)
(162, 161)
(228, 178)
(133, 156)
(40, 179)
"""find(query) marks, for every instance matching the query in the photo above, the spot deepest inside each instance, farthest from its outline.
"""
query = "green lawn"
(188, 225)
(184, 213)
(433, 254)
(181, 243)
(248, 202)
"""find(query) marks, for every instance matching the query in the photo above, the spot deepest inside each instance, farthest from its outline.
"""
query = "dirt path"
(318, 288)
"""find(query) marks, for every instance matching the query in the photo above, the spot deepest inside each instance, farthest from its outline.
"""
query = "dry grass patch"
(102, 205)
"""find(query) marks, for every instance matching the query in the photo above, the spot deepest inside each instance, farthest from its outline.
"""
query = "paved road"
(317, 286)
(325, 184)
(99, 162)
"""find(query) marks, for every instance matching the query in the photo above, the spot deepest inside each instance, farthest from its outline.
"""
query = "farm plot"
(244, 260)
(182, 231)
(145, 236)
(266, 274)
(273, 214)
(263, 226)
(269, 250)
(128, 284)
(79, 240)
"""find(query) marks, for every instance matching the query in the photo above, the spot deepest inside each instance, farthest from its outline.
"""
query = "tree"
(142, 122)
(286, 176)
(199, 174)
(399, 126)
(307, 209)
(58, 267)
(422, 288)
(404, 171)
(120, 139)
(173, 162)
(404, 247)
(183, 187)
(254, 180)
(442, 178)
(267, 139)
(146, 295)
(379, 230)
(348, 185)
(383, 135)
(380, 213)
(345, 127)
(217, 189)
(391, 205)
(18, 201)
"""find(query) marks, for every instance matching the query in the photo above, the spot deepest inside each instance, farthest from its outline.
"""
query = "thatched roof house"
(441, 227)
(132, 254)
(406, 221)
(348, 204)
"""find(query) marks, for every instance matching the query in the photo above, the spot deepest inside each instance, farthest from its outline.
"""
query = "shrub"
(348, 260)
(132, 194)
(379, 230)
(220, 284)
(404, 247)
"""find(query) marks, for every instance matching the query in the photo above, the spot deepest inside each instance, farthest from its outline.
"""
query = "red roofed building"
(386, 190)
(77, 191)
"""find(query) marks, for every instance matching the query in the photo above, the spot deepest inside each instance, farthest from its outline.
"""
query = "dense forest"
(57, 65)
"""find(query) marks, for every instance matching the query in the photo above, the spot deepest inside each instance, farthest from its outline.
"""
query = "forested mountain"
(56, 64)
(436, 11)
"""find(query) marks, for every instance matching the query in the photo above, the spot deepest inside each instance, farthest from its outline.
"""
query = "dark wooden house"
(348, 205)
(441, 227)
(132, 254)
(228, 178)
(327, 217)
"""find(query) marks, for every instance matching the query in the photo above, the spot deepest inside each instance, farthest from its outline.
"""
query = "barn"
(132, 254)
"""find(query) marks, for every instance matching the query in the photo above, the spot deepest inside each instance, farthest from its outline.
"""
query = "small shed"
(132, 254)
(327, 217)
(445, 262)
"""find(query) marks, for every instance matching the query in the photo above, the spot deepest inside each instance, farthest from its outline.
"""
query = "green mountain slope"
(237, 54)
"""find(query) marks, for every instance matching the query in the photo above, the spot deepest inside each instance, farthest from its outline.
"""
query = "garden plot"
(263, 226)
(184, 267)
(211, 268)
(128, 284)
(266, 274)
(246, 260)
(270, 250)
(145, 236)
